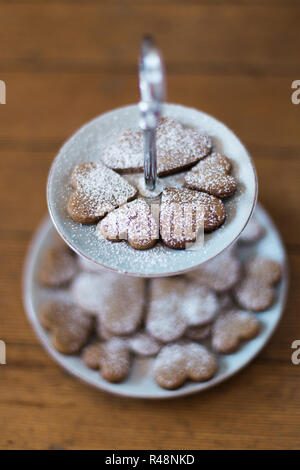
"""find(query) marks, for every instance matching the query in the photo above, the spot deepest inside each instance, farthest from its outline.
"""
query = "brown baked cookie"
(97, 191)
(256, 292)
(177, 363)
(58, 266)
(231, 328)
(135, 222)
(263, 269)
(102, 333)
(69, 325)
(185, 213)
(111, 358)
(177, 149)
(174, 305)
(211, 175)
(220, 274)
(117, 299)
(126, 155)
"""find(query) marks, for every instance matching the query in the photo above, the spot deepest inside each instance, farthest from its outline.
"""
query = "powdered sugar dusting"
(211, 175)
(175, 305)
(177, 147)
(98, 190)
(88, 144)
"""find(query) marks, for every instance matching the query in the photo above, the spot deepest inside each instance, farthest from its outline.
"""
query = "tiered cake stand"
(87, 144)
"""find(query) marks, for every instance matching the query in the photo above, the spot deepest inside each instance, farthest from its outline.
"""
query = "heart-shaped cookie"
(231, 328)
(211, 176)
(174, 305)
(220, 274)
(177, 149)
(111, 358)
(177, 363)
(98, 190)
(256, 292)
(185, 214)
(69, 324)
(117, 299)
(135, 222)
(58, 266)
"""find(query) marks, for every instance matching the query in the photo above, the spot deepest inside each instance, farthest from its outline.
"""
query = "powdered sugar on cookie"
(211, 175)
(177, 363)
(98, 190)
(135, 222)
(177, 148)
(175, 305)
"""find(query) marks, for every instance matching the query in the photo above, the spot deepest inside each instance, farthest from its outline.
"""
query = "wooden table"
(64, 63)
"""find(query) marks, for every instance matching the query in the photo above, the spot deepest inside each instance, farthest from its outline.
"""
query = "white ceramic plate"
(140, 383)
(87, 144)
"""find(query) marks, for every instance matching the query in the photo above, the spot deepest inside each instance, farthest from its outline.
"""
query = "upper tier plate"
(87, 144)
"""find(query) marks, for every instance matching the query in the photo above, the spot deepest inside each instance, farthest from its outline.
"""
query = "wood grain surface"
(65, 62)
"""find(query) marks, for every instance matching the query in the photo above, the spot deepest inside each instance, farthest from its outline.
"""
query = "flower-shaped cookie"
(177, 149)
(256, 292)
(185, 214)
(177, 363)
(98, 190)
(211, 175)
(68, 323)
(231, 328)
(175, 305)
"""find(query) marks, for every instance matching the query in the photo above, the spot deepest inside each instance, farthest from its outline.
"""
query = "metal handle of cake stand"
(152, 89)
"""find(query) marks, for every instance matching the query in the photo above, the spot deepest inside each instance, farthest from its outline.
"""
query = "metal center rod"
(152, 89)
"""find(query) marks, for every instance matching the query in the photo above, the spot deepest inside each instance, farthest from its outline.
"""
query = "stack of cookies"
(110, 192)
(183, 323)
